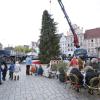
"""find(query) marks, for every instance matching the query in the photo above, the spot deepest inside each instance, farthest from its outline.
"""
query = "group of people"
(33, 69)
(14, 71)
(77, 66)
(13, 68)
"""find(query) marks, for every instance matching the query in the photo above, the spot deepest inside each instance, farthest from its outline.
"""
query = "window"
(92, 40)
(71, 44)
(81, 44)
(91, 44)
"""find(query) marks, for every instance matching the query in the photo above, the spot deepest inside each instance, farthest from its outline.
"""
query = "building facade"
(66, 42)
(63, 44)
(70, 43)
(92, 41)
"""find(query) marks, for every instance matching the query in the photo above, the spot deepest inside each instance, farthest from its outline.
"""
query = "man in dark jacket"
(4, 68)
(4, 71)
(78, 74)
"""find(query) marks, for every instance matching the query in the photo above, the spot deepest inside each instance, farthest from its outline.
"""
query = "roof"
(92, 33)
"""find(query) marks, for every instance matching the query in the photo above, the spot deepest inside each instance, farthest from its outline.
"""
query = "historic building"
(63, 43)
(92, 41)
(66, 42)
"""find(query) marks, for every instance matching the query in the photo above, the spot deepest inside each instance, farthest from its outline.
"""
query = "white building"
(70, 44)
(63, 44)
(90, 40)
(66, 42)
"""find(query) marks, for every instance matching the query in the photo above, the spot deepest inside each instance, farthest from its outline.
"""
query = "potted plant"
(62, 71)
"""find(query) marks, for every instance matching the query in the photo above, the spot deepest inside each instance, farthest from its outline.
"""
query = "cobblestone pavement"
(40, 88)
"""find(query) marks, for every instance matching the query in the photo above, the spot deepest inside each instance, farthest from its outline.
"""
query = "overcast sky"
(20, 20)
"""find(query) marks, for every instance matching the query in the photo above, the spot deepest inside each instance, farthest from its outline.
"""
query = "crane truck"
(78, 51)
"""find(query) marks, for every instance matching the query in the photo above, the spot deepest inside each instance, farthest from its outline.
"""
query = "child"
(17, 71)
(33, 70)
(40, 70)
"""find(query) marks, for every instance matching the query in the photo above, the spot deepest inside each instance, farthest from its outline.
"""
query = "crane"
(81, 52)
(76, 41)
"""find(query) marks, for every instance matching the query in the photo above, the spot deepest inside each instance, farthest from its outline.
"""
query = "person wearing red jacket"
(74, 62)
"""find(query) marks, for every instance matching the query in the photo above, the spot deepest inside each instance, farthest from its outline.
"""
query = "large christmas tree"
(49, 41)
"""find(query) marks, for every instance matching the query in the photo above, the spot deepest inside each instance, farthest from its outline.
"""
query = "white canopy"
(32, 54)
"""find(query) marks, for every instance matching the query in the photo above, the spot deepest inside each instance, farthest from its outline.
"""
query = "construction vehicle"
(78, 51)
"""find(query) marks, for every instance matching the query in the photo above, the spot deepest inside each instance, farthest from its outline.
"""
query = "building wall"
(63, 43)
(98, 52)
(91, 45)
(70, 43)
(70, 38)
(90, 40)
(67, 45)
